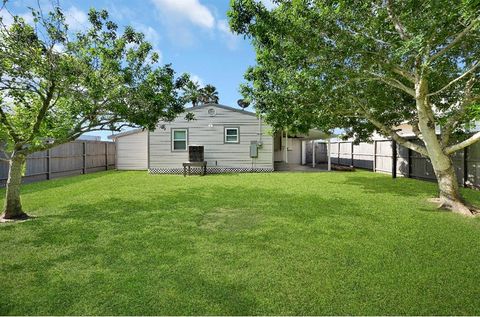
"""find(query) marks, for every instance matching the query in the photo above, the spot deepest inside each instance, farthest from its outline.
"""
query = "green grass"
(288, 243)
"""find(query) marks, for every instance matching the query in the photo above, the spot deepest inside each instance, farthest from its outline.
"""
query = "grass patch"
(128, 243)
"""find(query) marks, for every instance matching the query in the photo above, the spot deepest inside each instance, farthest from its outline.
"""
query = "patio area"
(290, 167)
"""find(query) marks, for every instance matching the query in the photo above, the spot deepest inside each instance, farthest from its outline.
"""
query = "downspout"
(260, 133)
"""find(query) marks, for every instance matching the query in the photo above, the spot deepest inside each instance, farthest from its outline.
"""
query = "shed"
(132, 149)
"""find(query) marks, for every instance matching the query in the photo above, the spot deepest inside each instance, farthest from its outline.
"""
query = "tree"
(192, 92)
(55, 86)
(209, 94)
(368, 66)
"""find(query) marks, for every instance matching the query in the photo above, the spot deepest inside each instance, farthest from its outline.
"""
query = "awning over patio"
(312, 135)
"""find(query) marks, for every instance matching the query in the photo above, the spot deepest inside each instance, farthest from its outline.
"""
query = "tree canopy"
(56, 85)
(369, 66)
(338, 63)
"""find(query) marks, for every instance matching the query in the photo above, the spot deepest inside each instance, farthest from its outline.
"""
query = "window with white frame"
(232, 135)
(179, 139)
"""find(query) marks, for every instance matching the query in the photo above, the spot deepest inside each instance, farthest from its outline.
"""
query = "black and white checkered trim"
(212, 170)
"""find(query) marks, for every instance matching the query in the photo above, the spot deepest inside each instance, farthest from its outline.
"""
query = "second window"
(232, 135)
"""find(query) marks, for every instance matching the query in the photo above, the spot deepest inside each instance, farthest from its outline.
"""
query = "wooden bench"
(188, 165)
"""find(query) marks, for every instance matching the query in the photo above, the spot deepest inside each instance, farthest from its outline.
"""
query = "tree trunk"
(449, 192)
(13, 205)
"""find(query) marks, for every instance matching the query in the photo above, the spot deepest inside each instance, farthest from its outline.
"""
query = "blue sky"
(193, 35)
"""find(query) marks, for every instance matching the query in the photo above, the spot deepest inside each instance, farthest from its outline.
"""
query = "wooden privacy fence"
(378, 156)
(74, 158)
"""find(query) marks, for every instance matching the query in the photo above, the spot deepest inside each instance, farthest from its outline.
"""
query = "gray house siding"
(208, 130)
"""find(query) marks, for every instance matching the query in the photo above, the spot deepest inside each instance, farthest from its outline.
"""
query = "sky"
(192, 35)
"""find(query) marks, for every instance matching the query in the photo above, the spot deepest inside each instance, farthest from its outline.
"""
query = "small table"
(188, 165)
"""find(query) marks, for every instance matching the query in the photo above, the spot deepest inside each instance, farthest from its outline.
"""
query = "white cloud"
(197, 79)
(151, 35)
(190, 10)
(76, 19)
(223, 26)
(231, 39)
(185, 20)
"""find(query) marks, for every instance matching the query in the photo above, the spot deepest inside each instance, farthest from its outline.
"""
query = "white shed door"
(132, 151)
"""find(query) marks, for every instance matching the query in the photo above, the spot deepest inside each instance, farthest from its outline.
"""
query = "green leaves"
(58, 85)
(327, 64)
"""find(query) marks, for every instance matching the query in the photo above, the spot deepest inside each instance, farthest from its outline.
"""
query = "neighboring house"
(89, 138)
(226, 134)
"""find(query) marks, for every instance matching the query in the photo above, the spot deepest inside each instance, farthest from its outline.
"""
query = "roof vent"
(212, 112)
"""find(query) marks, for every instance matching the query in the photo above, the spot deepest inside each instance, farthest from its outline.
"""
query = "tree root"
(19, 217)
(458, 207)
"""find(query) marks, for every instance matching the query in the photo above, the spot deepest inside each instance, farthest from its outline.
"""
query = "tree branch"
(475, 66)
(393, 134)
(395, 83)
(471, 140)
(453, 120)
(404, 73)
(6, 123)
(396, 22)
(43, 111)
(456, 39)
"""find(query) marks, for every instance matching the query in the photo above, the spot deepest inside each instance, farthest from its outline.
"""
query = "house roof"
(125, 133)
(249, 113)
(133, 131)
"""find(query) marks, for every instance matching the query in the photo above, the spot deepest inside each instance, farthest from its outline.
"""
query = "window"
(231, 135)
(179, 139)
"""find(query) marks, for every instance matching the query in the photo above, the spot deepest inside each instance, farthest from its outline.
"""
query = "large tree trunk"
(449, 192)
(13, 205)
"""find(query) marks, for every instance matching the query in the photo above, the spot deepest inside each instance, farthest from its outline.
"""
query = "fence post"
(465, 166)
(353, 160)
(84, 157)
(49, 165)
(394, 159)
(338, 154)
(409, 163)
(374, 155)
(106, 156)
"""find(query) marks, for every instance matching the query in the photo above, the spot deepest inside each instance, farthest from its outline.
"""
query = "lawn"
(286, 243)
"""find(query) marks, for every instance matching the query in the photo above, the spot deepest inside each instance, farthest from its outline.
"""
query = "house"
(227, 134)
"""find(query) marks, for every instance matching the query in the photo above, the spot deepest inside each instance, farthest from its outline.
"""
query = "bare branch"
(475, 66)
(471, 140)
(455, 40)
